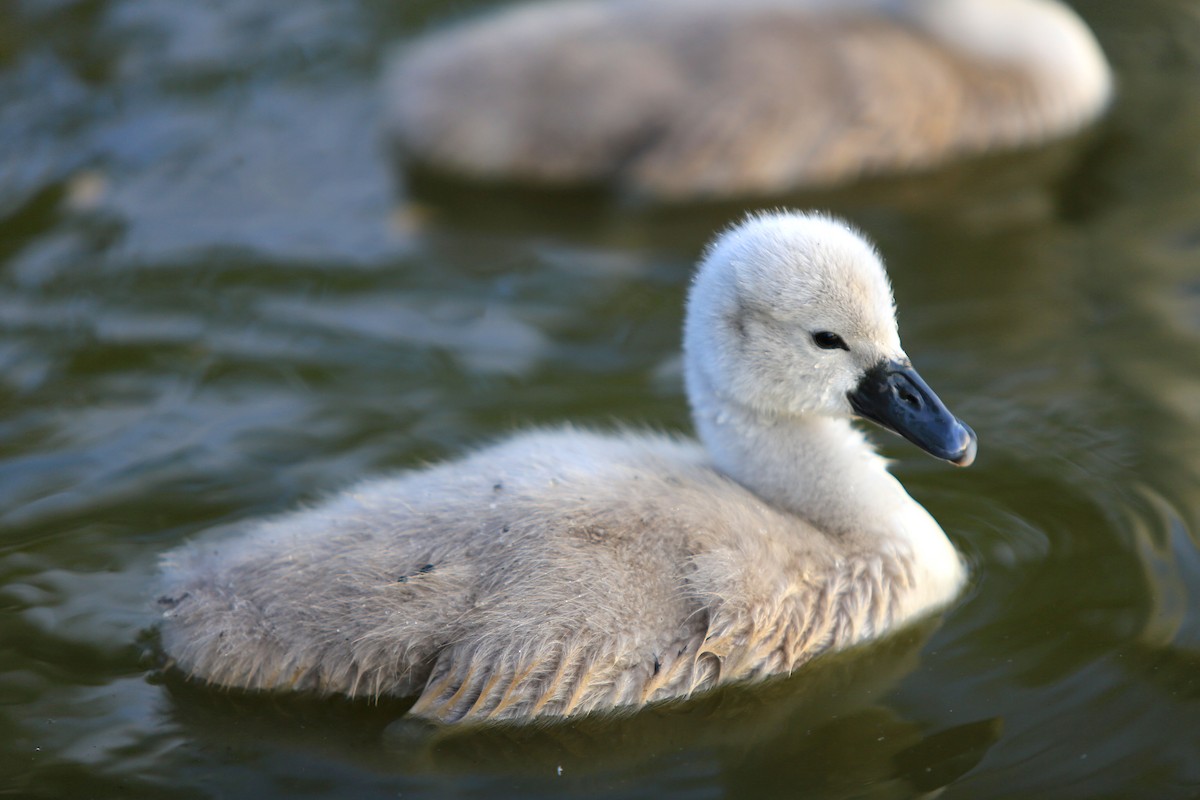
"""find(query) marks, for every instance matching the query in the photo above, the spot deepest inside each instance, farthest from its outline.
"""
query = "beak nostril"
(907, 397)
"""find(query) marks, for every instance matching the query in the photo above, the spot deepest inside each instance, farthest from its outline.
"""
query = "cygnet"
(677, 100)
(565, 571)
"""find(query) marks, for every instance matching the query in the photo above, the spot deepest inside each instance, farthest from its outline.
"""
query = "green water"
(209, 312)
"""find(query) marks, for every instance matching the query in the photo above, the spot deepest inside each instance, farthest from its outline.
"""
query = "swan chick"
(564, 571)
(681, 100)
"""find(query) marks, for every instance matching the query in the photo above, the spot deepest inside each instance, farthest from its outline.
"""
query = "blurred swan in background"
(564, 571)
(694, 99)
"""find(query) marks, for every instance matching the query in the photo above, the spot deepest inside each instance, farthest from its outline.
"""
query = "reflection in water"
(822, 730)
(204, 336)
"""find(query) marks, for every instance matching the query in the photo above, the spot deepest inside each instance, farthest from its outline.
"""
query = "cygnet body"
(563, 571)
(694, 99)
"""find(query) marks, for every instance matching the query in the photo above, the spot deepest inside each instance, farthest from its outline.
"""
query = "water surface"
(210, 310)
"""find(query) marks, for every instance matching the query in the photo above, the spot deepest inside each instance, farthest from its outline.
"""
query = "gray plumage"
(566, 571)
(680, 99)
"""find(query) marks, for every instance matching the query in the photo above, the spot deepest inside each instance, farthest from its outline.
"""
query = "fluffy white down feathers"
(565, 571)
(680, 100)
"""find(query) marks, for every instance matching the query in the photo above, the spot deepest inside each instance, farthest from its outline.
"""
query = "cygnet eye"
(827, 340)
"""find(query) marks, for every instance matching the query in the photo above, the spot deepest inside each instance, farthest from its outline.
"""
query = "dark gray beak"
(893, 395)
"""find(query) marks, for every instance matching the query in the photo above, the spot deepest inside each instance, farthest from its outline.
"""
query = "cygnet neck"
(816, 466)
(824, 471)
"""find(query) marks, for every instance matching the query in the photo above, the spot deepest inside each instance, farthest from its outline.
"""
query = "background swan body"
(687, 99)
(564, 571)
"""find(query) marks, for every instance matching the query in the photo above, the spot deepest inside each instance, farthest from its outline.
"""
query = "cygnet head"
(791, 315)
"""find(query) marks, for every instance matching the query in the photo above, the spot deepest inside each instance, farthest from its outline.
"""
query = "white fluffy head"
(1044, 37)
(764, 291)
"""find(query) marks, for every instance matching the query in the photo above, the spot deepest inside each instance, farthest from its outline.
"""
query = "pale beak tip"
(967, 457)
